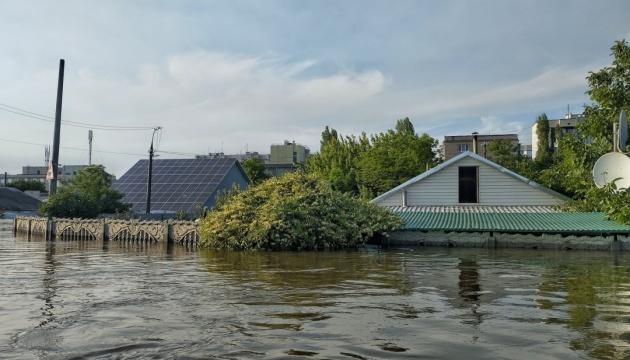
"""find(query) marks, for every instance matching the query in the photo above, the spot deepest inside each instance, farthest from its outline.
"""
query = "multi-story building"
(282, 158)
(567, 125)
(65, 173)
(286, 157)
(457, 144)
(239, 157)
(288, 153)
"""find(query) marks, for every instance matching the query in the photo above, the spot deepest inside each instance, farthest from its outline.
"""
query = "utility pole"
(55, 152)
(90, 136)
(151, 154)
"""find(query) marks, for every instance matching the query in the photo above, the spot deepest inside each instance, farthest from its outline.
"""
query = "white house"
(470, 201)
(469, 179)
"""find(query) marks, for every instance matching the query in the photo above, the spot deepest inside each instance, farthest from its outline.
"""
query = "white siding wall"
(495, 188)
(394, 199)
(534, 140)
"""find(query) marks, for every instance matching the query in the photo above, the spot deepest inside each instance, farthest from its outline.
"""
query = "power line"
(99, 151)
(70, 147)
(176, 153)
(46, 118)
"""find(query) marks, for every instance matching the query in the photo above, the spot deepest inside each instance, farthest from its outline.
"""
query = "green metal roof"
(547, 222)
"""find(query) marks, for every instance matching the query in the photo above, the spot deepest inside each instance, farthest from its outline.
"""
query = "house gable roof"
(12, 199)
(479, 158)
(177, 184)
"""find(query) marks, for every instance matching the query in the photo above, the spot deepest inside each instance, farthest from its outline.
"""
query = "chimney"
(474, 136)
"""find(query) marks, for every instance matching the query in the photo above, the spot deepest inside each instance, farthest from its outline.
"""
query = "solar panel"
(177, 184)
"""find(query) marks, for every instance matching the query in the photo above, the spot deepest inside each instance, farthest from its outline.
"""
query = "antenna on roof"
(46, 154)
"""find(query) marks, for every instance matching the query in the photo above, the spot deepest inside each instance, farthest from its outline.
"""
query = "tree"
(292, 212)
(571, 166)
(368, 166)
(87, 195)
(609, 88)
(507, 154)
(337, 158)
(255, 169)
(69, 204)
(543, 155)
(394, 157)
(24, 185)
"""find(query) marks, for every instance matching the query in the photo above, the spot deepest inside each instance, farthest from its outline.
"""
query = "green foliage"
(394, 157)
(255, 169)
(225, 195)
(24, 185)
(543, 155)
(69, 203)
(295, 211)
(609, 88)
(569, 170)
(507, 154)
(336, 160)
(615, 203)
(369, 166)
(87, 196)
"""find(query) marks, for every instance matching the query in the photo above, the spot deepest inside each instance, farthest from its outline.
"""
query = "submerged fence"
(167, 231)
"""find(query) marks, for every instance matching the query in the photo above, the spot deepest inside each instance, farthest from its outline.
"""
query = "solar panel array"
(177, 184)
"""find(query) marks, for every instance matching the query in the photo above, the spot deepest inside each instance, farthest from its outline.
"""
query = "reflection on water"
(126, 300)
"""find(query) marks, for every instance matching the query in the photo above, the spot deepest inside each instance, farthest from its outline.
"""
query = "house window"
(468, 184)
(462, 147)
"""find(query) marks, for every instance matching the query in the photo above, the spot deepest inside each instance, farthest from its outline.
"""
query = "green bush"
(87, 195)
(69, 204)
(24, 185)
(293, 212)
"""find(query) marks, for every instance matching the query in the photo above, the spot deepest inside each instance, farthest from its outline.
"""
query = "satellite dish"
(611, 166)
(623, 131)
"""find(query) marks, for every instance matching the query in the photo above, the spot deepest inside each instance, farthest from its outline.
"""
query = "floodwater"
(90, 300)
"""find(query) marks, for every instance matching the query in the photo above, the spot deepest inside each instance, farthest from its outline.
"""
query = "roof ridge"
(477, 157)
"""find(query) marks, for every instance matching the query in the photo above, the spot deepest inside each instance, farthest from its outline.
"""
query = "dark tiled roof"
(14, 200)
(178, 184)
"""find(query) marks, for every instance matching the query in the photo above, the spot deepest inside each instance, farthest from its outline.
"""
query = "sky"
(241, 75)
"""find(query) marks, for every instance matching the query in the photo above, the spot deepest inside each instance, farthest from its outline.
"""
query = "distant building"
(187, 185)
(288, 153)
(239, 157)
(526, 151)
(286, 157)
(455, 145)
(567, 125)
(282, 158)
(65, 173)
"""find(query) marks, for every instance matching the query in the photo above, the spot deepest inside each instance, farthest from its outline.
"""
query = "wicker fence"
(168, 231)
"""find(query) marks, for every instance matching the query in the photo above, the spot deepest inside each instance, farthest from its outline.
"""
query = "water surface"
(108, 300)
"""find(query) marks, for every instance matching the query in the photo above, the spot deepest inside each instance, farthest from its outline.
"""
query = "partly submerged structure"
(15, 202)
(472, 201)
(187, 185)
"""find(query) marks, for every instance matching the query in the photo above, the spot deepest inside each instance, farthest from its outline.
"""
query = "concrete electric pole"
(150, 173)
(54, 164)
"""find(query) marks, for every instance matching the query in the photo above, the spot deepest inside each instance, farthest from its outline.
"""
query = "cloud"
(204, 99)
(494, 125)
(479, 100)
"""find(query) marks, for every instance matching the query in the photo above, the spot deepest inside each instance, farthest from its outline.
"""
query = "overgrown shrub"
(87, 195)
(25, 185)
(292, 212)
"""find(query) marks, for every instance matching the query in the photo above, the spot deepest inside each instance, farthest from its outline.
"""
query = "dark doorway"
(468, 184)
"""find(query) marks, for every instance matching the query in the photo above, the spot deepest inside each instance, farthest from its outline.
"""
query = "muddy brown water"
(89, 300)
